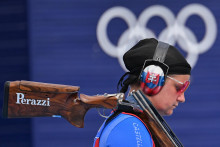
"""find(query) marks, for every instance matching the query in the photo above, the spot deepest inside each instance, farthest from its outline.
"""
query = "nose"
(181, 98)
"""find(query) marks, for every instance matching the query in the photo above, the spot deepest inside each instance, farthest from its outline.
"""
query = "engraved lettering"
(43, 102)
(20, 96)
(22, 100)
(38, 102)
(48, 101)
(33, 102)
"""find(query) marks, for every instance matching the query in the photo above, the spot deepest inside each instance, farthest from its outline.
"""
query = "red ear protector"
(154, 71)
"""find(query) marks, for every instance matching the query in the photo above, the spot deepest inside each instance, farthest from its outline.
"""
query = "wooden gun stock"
(34, 99)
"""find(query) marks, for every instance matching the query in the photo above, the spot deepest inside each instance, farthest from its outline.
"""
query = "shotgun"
(35, 99)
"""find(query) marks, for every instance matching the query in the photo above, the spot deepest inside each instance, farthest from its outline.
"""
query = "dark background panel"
(14, 65)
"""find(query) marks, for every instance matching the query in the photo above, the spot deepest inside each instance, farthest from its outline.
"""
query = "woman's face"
(169, 97)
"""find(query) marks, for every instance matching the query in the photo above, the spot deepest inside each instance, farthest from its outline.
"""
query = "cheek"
(160, 101)
(166, 98)
(169, 91)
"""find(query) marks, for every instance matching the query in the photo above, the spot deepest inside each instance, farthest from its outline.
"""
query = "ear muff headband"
(154, 70)
(161, 51)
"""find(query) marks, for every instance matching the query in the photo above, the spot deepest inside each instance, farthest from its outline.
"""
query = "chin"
(168, 113)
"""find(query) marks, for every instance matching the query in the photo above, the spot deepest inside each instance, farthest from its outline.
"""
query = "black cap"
(135, 57)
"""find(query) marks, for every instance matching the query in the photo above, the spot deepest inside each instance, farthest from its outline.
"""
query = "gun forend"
(107, 100)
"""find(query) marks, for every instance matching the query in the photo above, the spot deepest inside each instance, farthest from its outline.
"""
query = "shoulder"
(126, 130)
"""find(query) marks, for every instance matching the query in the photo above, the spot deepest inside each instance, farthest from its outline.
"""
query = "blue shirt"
(125, 131)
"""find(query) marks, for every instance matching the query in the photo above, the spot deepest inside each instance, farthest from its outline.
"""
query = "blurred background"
(81, 43)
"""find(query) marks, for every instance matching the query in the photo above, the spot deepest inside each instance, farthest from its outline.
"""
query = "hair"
(132, 80)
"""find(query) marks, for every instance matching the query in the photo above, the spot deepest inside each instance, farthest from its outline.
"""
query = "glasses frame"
(185, 88)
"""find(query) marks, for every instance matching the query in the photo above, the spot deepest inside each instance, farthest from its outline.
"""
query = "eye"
(178, 87)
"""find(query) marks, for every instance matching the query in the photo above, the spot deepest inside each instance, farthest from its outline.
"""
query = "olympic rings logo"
(175, 32)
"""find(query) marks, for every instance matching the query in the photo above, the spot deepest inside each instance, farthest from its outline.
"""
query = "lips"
(175, 106)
